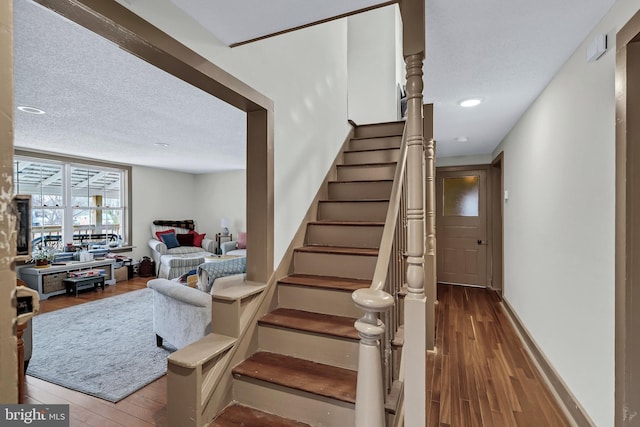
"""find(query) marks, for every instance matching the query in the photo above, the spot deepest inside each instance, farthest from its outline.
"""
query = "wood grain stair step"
(335, 250)
(362, 150)
(349, 223)
(355, 181)
(311, 377)
(326, 324)
(354, 201)
(243, 416)
(327, 282)
(365, 165)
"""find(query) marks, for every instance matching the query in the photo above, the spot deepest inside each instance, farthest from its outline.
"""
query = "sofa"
(182, 314)
(235, 247)
(173, 261)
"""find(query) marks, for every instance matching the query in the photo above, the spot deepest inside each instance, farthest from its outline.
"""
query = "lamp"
(224, 223)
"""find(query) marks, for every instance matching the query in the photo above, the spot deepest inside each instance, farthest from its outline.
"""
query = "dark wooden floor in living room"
(480, 376)
(146, 407)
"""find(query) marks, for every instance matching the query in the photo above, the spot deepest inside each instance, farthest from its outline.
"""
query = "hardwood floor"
(146, 407)
(480, 376)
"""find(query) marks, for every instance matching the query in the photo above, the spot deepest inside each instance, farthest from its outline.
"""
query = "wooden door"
(461, 225)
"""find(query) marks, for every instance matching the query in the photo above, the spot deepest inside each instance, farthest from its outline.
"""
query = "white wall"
(559, 166)
(158, 194)
(221, 195)
(479, 159)
(373, 63)
(305, 74)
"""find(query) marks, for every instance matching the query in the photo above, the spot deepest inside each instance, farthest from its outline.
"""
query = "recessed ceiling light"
(462, 139)
(160, 144)
(30, 110)
(471, 102)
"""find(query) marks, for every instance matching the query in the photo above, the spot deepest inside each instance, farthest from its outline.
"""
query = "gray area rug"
(105, 348)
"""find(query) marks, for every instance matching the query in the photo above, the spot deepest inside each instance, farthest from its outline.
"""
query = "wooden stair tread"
(354, 201)
(338, 250)
(326, 324)
(243, 416)
(359, 138)
(349, 223)
(362, 150)
(316, 378)
(360, 165)
(326, 282)
(352, 181)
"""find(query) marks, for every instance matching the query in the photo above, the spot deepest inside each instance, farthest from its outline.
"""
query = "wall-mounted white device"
(597, 47)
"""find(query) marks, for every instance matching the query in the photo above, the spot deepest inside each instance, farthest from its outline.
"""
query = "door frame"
(496, 223)
(627, 226)
(133, 34)
(464, 168)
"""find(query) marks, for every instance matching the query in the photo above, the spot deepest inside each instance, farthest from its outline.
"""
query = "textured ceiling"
(102, 102)
(113, 106)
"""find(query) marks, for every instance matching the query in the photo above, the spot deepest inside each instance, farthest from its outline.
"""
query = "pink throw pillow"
(242, 240)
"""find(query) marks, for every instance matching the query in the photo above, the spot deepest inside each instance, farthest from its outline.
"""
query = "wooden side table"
(221, 239)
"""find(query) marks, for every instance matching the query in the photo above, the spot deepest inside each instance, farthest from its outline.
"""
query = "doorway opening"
(131, 33)
(461, 225)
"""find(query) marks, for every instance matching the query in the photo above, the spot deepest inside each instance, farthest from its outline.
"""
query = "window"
(460, 196)
(73, 202)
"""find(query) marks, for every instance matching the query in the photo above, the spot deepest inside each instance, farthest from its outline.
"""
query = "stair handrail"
(382, 265)
(374, 381)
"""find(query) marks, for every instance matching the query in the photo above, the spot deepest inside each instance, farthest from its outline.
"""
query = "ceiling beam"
(311, 24)
(413, 24)
(137, 36)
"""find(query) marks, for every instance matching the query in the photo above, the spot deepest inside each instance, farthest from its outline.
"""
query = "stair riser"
(318, 300)
(364, 157)
(315, 410)
(344, 236)
(334, 351)
(352, 211)
(360, 190)
(372, 172)
(379, 129)
(335, 265)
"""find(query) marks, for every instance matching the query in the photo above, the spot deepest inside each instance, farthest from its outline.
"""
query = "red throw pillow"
(197, 238)
(185, 239)
(242, 240)
(169, 231)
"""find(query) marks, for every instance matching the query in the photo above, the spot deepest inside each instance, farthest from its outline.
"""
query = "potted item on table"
(43, 256)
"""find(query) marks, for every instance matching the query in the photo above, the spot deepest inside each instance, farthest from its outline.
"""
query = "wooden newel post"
(415, 302)
(370, 389)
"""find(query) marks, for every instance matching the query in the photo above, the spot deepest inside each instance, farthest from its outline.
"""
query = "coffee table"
(73, 283)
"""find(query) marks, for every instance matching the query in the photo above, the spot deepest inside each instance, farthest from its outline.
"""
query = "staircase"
(305, 369)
